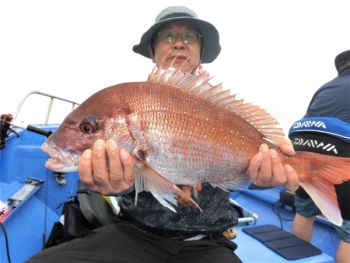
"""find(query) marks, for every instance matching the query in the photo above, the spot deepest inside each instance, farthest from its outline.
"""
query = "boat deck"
(263, 203)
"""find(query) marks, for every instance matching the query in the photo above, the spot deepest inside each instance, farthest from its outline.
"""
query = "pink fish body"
(181, 131)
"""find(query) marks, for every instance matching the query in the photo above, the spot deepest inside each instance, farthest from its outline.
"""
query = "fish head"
(101, 116)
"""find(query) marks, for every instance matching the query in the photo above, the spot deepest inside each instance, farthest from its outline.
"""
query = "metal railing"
(52, 97)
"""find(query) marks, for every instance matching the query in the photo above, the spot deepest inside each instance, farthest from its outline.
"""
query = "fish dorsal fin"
(199, 86)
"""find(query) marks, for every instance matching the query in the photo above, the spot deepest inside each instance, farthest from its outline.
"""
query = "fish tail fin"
(325, 172)
(149, 180)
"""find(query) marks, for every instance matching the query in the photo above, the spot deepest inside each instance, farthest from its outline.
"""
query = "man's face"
(181, 39)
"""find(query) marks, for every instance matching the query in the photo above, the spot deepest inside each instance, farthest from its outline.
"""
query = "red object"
(4, 214)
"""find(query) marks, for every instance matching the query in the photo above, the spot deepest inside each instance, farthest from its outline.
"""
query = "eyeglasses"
(187, 37)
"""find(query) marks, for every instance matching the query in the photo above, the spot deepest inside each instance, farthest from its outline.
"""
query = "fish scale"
(191, 128)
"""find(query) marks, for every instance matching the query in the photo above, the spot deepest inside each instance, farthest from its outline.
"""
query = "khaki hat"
(181, 13)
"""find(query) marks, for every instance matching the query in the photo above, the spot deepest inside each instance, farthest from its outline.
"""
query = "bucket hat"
(181, 13)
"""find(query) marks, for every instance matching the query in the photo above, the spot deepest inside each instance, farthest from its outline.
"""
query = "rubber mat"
(282, 242)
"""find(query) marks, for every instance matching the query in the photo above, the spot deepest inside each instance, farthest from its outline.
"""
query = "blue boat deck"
(263, 203)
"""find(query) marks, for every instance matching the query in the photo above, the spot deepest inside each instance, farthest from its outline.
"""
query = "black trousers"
(122, 242)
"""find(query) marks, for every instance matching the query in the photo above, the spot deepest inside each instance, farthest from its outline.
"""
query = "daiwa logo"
(315, 144)
(308, 124)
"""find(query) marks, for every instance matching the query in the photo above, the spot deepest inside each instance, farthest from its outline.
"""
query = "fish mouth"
(59, 161)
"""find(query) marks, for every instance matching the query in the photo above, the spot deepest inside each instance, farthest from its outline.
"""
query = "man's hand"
(115, 178)
(268, 171)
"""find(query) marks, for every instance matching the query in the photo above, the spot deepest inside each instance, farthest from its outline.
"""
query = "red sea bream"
(182, 131)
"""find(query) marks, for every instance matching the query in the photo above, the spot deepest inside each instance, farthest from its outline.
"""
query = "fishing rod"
(7, 120)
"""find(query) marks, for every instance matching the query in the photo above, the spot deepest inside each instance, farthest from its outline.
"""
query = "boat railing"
(48, 112)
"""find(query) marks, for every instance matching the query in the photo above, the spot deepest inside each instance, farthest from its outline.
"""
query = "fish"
(181, 130)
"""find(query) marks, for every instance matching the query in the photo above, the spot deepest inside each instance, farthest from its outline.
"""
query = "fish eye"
(88, 125)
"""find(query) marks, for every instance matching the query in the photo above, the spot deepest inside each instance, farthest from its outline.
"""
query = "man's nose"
(179, 43)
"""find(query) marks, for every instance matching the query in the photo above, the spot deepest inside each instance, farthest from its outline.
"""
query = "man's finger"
(278, 172)
(129, 168)
(292, 178)
(254, 165)
(287, 149)
(99, 165)
(116, 173)
(85, 170)
(263, 176)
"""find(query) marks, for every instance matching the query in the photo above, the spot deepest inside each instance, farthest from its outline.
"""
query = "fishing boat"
(32, 196)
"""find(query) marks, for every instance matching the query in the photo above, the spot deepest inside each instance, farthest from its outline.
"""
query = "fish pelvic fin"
(199, 86)
(147, 179)
(326, 171)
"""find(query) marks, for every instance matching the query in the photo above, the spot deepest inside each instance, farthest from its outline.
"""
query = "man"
(150, 232)
(331, 101)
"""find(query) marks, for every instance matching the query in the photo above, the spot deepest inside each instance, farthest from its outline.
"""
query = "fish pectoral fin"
(147, 179)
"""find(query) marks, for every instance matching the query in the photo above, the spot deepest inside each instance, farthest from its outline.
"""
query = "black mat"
(282, 242)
